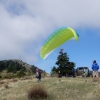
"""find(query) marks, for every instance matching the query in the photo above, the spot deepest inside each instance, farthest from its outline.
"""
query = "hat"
(94, 61)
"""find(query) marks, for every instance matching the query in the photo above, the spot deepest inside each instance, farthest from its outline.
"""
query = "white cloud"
(25, 23)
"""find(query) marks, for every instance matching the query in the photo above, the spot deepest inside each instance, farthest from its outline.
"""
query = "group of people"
(95, 75)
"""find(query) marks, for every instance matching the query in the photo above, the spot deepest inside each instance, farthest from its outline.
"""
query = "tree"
(54, 69)
(64, 66)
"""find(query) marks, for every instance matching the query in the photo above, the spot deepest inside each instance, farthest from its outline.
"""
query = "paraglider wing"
(56, 39)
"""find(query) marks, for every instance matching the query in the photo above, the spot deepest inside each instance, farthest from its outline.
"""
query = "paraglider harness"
(37, 75)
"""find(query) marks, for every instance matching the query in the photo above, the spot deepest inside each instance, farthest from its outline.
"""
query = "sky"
(26, 24)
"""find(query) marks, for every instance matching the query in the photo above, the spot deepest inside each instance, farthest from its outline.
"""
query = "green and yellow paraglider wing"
(56, 39)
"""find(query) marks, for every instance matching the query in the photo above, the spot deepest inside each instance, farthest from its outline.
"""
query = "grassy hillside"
(66, 89)
(15, 68)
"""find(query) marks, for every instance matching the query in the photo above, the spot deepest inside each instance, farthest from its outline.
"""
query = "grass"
(66, 89)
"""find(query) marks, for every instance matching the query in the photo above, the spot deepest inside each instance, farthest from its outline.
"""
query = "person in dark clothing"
(39, 77)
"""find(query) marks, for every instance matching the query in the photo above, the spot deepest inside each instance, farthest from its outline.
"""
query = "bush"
(21, 73)
(37, 92)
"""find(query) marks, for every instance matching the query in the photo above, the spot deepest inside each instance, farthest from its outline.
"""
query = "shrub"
(21, 73)
(37, 92)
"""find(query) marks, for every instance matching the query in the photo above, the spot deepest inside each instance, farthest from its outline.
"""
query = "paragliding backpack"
(37, 75)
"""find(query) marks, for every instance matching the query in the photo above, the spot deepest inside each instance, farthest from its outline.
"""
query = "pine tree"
(64, 66)
(54, 69)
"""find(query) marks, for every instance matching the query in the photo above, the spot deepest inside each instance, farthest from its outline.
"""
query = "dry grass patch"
(27, 78)
(14, 80)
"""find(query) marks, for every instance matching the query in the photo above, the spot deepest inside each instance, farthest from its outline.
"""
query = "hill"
(15, 68)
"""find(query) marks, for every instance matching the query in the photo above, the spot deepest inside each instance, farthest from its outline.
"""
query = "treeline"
(11, 66)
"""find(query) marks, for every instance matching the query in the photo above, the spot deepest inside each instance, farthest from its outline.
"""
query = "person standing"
(95, 68)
